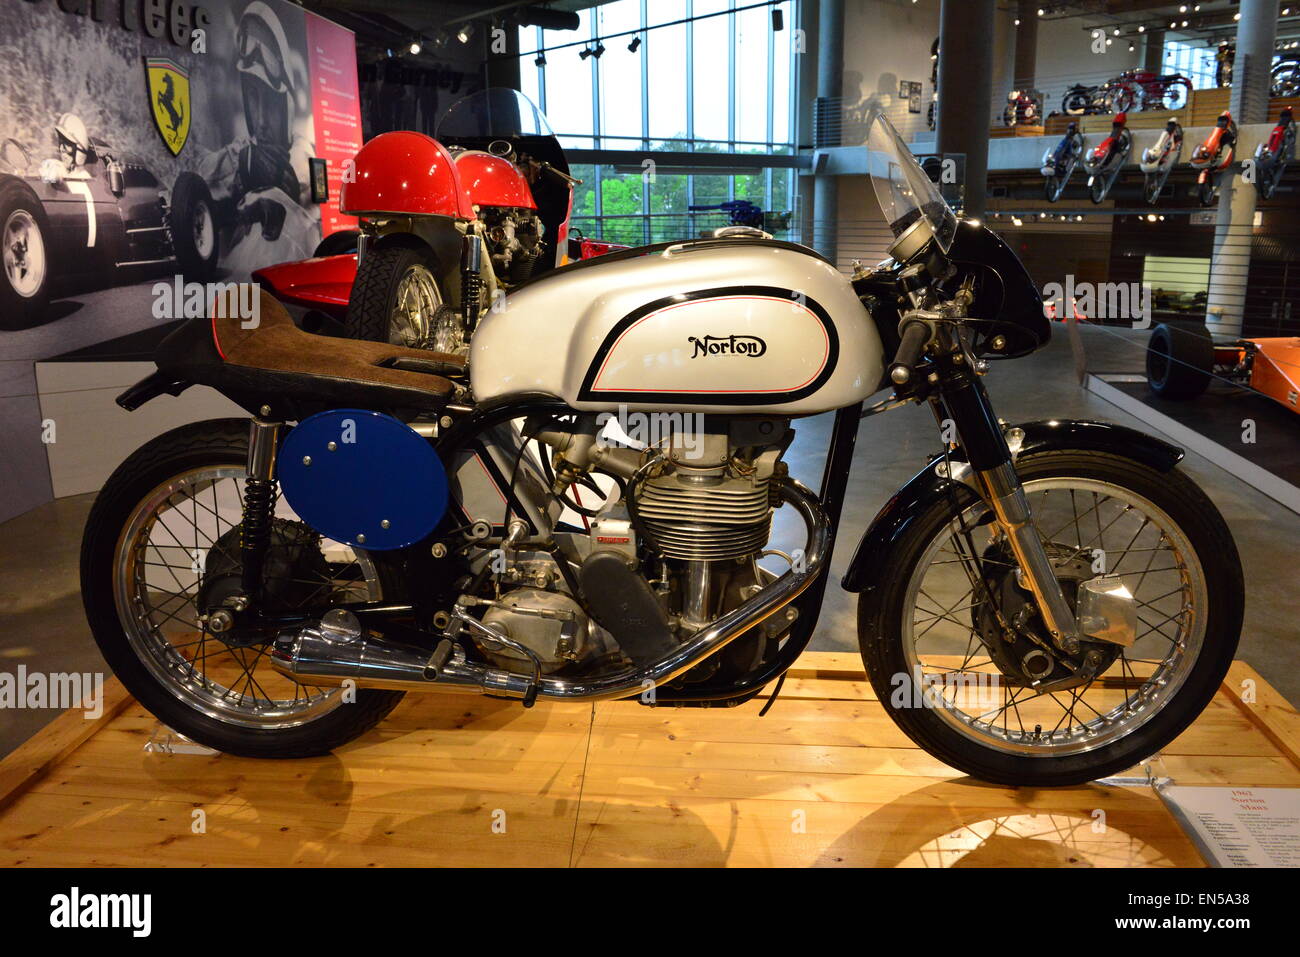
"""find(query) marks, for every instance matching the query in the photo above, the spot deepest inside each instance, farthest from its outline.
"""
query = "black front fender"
(870, 561)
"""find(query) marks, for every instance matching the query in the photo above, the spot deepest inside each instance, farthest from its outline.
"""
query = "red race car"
(1181, 360)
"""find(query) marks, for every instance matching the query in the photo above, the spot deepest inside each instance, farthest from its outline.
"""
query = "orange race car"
(1181, 360)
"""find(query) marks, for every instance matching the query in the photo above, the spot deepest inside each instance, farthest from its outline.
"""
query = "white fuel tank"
(708, 326)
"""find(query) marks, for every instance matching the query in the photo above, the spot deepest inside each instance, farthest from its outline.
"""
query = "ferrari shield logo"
(169, 100)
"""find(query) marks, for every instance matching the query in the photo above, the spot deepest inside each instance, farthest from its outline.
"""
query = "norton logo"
(751, 346)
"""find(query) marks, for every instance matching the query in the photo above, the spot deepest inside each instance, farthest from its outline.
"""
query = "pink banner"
(332, 61)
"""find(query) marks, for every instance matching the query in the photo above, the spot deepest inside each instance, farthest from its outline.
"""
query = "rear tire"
(375, 301)
(1180, 360)
(195, 240)
(220, 443)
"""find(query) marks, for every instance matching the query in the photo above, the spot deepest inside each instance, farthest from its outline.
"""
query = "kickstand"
(771, 700)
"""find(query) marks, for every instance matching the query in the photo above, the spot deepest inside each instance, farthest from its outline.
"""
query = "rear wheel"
(25, 283)
(161, 549)
(957, 654)
(1180, 360)
(396, 298)
(194, 228)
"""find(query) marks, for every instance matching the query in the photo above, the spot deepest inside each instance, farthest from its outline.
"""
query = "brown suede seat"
(273, 358)
(276, 344)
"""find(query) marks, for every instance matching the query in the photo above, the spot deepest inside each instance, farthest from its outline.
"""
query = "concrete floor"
(42, 625)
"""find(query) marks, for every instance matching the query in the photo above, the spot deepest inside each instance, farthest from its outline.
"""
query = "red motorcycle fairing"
(493, 181)
(1217, 150)
(1104, 148)
(405, 174)
(1279, 132)
(324, 283)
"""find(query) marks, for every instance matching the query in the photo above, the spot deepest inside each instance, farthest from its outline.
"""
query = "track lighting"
(541, 58)
(465, 32)
(415, 48)
(634, 45)
(778, 20)
(600, 49)
(584, 52)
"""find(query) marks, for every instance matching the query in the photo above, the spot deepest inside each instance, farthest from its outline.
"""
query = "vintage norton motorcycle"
(1159, 159)
(1044, 603)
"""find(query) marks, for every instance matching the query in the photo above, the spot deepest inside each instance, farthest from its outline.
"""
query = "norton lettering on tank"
(751, 346)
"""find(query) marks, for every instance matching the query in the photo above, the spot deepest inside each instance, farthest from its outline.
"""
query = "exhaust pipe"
(330, 653)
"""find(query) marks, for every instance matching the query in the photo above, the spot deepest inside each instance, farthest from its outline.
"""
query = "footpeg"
(438, 660)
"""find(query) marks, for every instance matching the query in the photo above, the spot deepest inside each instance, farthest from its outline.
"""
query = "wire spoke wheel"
(1090, 527)
(176, 557)
(415, 306)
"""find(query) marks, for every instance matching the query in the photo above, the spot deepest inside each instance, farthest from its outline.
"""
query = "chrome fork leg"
(1002, 490)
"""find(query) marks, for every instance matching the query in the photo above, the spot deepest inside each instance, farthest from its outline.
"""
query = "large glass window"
(686, 76)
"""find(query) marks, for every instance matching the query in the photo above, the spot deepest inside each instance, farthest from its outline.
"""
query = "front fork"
(966, 403)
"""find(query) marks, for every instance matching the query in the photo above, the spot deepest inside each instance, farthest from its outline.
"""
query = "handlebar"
(916, 333)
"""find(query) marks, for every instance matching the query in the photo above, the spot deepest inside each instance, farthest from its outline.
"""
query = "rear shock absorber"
(259, 506)
(471, 279)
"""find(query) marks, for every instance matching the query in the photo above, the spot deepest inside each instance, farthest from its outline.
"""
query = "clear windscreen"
(902, 188)
(495, 113)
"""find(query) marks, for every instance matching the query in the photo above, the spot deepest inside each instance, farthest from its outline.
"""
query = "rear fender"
(871, 561)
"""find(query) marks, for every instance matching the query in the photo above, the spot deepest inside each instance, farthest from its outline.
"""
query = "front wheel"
(957, 654)
(161, 549)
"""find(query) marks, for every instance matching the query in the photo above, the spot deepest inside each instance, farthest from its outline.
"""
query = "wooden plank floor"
(824, 779)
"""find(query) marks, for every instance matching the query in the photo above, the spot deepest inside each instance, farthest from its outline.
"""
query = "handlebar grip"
(916, 333)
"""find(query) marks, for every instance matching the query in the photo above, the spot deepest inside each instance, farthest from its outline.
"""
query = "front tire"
(1194, 560)
(142, 584)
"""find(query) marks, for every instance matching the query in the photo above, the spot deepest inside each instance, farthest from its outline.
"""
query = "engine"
(675, 545)
(514, 241)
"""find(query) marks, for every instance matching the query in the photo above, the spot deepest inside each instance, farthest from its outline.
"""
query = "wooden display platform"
(824, 779)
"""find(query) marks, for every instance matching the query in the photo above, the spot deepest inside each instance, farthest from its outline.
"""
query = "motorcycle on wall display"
(1159, 159)
(1213, 156)
(1059, 162)
(1272, 155)
(1104, 163)
(1042, 604)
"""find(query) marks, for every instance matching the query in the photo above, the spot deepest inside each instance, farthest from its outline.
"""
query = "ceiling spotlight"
(415, 48)
(778, 19)
(634, 45)
(1017, 21)
(1132, 47)
(541, 58)
(1141, 29)
(1041, 11)
(1109, 41)
(1183, 8)
(1173, 25)
(584, 52)
(1236, 16)
(600, 49)
(1184, 23)
(1115, 31)
(465, 32)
